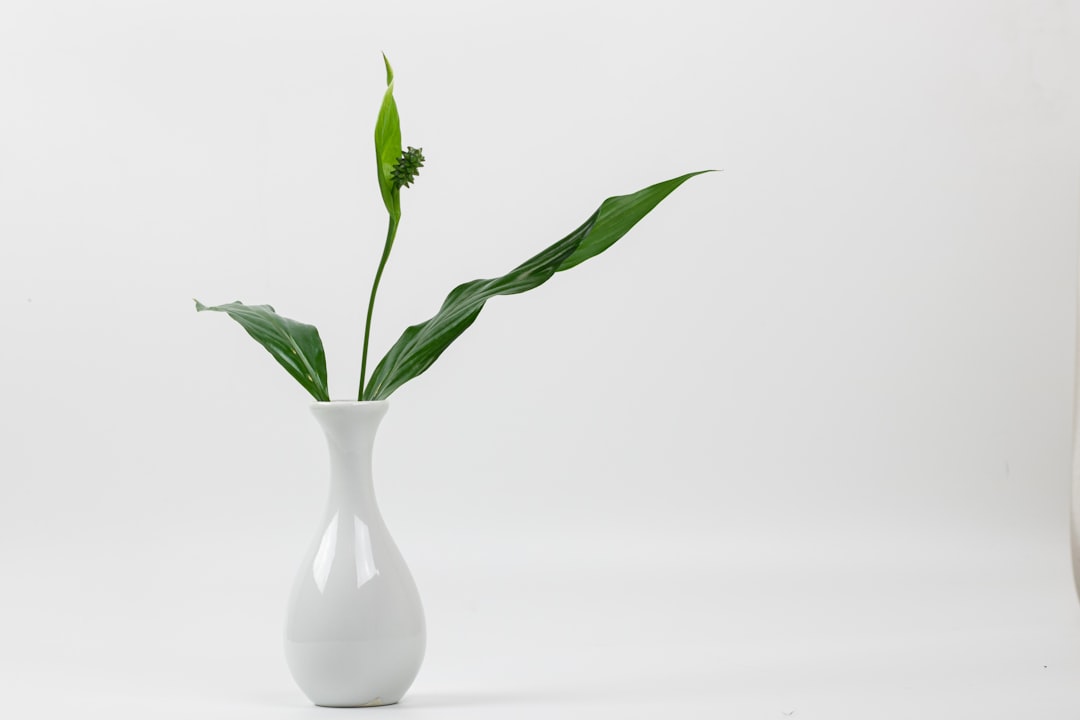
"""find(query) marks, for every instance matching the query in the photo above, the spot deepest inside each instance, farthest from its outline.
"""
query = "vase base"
(377, 702)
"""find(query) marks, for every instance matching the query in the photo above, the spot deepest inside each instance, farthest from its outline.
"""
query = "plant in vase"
(355, 626)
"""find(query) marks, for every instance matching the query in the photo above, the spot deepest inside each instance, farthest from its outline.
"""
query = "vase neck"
(350, 429)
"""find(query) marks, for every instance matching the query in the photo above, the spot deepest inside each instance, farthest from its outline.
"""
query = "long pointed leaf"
(297, 347)
(420, 345)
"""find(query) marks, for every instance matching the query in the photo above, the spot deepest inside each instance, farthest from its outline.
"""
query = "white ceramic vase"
(355, 632)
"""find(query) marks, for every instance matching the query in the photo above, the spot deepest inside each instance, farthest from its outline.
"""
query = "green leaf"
(296, 346)
(388, 145)
(420, 345)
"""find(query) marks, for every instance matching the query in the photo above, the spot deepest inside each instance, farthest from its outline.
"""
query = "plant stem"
(391, 231)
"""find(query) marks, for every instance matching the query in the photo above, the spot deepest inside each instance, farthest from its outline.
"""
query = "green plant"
(298, 347)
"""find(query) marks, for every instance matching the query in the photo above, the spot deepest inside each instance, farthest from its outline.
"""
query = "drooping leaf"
(388, 146)
(420, 345)
(297, 347)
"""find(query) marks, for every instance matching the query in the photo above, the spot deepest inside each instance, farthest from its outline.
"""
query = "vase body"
(354, 634)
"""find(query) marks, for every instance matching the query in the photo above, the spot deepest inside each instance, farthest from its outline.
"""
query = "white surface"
(799, 444)
(354, 629)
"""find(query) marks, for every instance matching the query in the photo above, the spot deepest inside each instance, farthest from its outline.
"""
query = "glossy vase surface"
(355, 633)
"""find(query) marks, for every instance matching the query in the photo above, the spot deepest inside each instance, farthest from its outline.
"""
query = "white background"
(798, 446)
